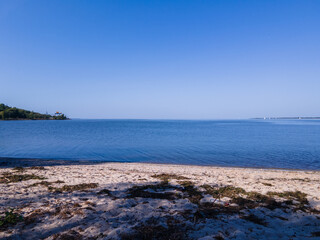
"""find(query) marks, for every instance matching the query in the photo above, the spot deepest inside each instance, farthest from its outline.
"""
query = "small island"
(13, 113)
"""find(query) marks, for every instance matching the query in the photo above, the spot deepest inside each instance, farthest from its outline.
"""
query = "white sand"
(84, 214)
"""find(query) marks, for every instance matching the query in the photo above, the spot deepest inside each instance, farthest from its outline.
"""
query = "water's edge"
(8, 162)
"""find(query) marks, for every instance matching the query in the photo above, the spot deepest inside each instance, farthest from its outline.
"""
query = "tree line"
(13, 113)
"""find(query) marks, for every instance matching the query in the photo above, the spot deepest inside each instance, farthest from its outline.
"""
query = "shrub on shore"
(10, 218)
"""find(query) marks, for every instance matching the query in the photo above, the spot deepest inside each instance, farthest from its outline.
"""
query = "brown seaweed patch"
(290, 179)
(36, 215)
(212, 210)
(71, 188)
(152, 191)
(44, 183)
(104, 191)
(167, 177)
(12, 178)
(227, 191)
(18, 169)
(68, 211)
(267, 184)
(250, 200)
(193, 194)
(297, 195)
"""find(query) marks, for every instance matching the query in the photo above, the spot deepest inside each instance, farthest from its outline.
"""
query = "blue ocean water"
(246, 143)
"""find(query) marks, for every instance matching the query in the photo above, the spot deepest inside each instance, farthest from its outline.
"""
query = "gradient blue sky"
(161, 59)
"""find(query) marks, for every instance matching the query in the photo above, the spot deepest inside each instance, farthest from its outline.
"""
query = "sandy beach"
(155, 201)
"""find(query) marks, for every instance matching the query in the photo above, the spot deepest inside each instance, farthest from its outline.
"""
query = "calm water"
(253, 143)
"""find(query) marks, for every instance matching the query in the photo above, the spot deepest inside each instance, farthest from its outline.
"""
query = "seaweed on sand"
(71, 188)
(227, 191)
(18, 169)
(167, 177)
(12, 178)
(297, 195)
(152, 191)
(193, 194)
(44, 183)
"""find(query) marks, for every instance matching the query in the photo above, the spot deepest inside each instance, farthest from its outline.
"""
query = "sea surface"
(291, 144)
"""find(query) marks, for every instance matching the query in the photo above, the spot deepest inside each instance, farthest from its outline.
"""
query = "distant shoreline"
(13, 113)
(34, 119)
(293, 118)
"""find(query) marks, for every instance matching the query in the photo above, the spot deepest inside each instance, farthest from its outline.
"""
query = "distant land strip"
(13, 113)
(288, 118)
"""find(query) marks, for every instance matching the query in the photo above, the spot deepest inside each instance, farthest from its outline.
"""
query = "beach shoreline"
(118, 200)
(9, 162)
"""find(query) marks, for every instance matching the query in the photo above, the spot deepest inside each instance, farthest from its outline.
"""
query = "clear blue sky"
(161, 59)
